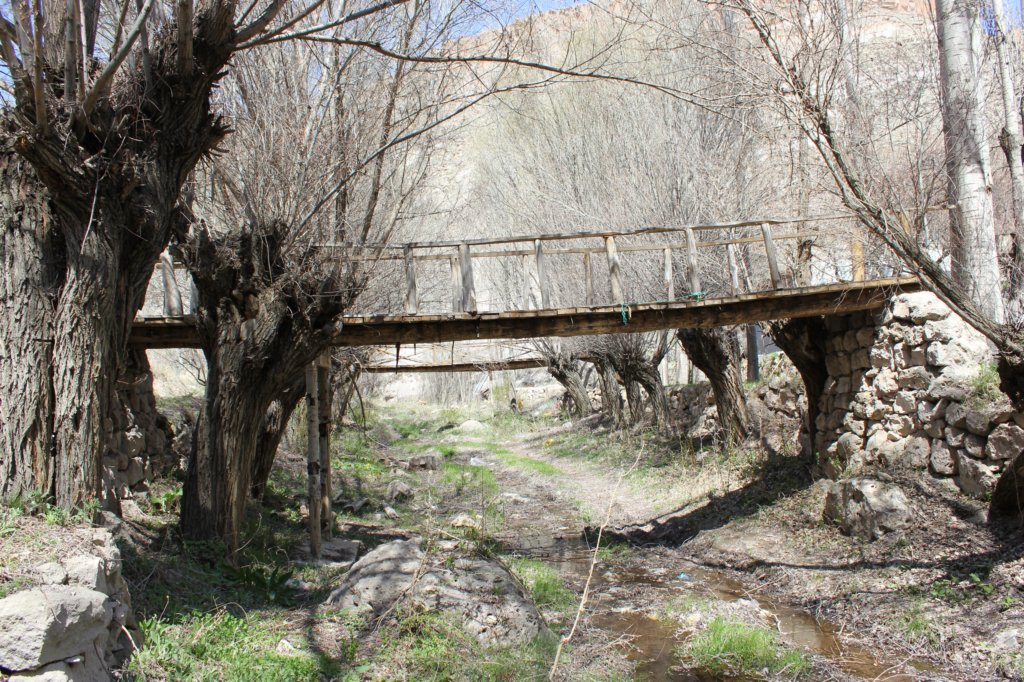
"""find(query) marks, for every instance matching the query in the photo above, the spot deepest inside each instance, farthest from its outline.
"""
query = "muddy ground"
(930, 603)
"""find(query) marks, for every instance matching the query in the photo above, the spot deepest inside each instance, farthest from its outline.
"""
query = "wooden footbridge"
(585, 283)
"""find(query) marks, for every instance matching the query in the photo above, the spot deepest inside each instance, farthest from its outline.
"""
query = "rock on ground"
(481, 592)
(867, 508)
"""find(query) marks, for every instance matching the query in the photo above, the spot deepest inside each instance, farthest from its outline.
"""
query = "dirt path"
(635, 594)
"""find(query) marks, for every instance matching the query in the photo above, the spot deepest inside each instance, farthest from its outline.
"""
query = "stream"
(653, 642)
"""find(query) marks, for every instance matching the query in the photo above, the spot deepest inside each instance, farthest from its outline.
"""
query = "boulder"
(398, 489)
(431, 461)
(82, 668)
(918, 451)
(52, 623)
(867, 508)
(975, 478)
(471, 426)
(1005, 442)
(88, 571)
(480, 592)
(978, 422)
(919, 307)
(51, 573)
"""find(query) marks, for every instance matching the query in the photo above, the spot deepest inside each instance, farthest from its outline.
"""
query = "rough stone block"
(867, 508)
(935, 429)
(917, 451)
(974, 477)
(51, 623)
(914, 378)
(956, 415)
(1005, 442)
(978, 422)
(974, 445)
(942, 460)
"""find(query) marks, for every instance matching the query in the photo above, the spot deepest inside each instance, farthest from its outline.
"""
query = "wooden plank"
(614, 271)
(412, 300)
(588, 274)
(193, 296)
(313, 459)
(456, 285)
(773, 256)
(483, 366)
(323, 381)
(542, 279)
(466, 270)
(857, 260)
(709, 313)
(734, 270)
(670, 285)
(693, 275)
(172, 295)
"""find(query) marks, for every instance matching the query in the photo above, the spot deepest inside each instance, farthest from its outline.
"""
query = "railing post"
(456, 284)
(542, 279)
(734, 270)
(614, 272)
(588, 274)
(526, 282)
(466, 268)
(691, 262)
(773, 256)
(323, 381)
(412, 299)
(172, 295)
(670, 284)
(313, 459)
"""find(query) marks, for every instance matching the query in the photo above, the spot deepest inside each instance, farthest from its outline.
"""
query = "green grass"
(465, 478)
(685, 604)
(221, 646)
(433, 648)
(917, 626)
(614, 550)
(530, 464)
(546, 587)
(737, 648)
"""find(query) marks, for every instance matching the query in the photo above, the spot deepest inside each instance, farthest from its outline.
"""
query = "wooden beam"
(486, 366)
(614, 270)
(773, 256)
(466, 270)
(588, 275)
(172, 295)
(832, 299)
(456, 285)
(734, 270)
(542, 275)
(857, 260)
(313, 459)
(412, 300)
(670, 285)
(691, 263)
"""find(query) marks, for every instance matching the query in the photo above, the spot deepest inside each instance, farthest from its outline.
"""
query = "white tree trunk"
(975, 265)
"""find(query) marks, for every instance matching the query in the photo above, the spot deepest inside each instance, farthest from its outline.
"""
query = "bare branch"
(89, 103)
(183, 10)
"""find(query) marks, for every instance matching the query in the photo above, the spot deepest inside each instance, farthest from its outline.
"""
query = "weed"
(1007, 602)
(268, 584)
(166, 502)
(737, 648)
(985, 386)
(684, 604)
(918, 628)
(546, 587)
(529, 463)
(614, 550)
(220, 646)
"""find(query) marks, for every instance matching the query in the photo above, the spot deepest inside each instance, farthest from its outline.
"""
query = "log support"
(313, 458)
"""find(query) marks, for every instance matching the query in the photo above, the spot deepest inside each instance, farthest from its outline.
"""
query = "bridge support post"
(456, 285)
(773, 256)
(313, 459)
(542, 278)
(323, 380)
(588, 273)
(692, 274)
(670, 284)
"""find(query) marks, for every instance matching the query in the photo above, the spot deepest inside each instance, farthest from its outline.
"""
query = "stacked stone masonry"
(914, 386)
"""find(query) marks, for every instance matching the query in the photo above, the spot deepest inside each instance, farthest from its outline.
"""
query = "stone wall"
(74, 623)
(914, 386)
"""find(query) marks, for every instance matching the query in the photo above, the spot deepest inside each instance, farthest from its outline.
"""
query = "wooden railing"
(750, 246)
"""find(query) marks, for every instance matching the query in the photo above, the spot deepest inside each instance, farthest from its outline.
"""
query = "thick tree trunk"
(634, 412)
(650, 380)
(611, 392)
(803, 342)
(975, 264)
(753, 353)
(565, 372)
(1008, 497)
(274, 425)
(28, 257)
(715, 353)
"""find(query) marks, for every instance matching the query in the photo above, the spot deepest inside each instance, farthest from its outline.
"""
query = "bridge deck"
(388, 330)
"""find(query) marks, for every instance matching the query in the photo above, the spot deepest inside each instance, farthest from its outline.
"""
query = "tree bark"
(803, 342)
(29, 253)
(275, 422)
(611, 392)
(715, 353)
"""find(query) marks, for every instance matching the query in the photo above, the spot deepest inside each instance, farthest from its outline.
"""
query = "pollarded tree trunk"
(714, 352)
(803, 342)
(29, 251)
(611, 392)
(650, 380)
(565, 372)
(261, 321)
(634, 401)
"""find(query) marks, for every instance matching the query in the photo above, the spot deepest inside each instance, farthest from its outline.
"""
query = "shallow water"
(652, 642)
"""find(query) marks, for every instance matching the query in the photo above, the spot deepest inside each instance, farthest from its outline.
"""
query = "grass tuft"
(737, 648)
